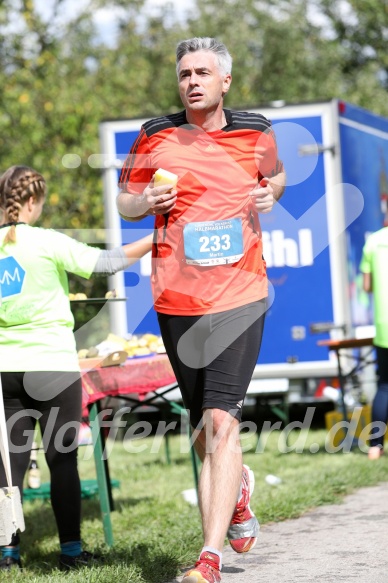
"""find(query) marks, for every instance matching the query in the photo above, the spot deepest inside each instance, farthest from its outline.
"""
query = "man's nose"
(193, 79)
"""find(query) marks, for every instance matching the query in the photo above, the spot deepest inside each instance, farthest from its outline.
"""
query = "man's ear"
(226, 84)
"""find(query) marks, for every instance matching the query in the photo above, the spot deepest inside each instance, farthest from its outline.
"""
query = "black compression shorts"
(213, 356)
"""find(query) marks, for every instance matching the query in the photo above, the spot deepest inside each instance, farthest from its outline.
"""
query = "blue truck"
(336, 158)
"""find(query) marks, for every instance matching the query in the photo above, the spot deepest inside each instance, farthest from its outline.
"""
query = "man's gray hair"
(207, 43)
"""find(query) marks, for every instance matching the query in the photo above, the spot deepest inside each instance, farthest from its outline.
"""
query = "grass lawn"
(156, 532)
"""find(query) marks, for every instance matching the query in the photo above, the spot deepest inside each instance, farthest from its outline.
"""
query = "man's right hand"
(160, 199)
(155, 200)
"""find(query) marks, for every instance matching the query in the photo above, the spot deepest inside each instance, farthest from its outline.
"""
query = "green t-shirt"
(375, 261)
(36, 322)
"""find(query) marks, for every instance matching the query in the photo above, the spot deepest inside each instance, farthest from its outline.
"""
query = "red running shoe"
(244, 526)
(206, 570)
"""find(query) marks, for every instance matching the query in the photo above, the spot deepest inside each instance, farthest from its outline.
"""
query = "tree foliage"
(360, 28)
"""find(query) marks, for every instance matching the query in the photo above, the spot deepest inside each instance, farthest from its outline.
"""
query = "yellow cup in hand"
(163, 177)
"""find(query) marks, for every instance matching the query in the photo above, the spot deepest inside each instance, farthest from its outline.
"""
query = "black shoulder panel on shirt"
(153, 126)
(241, 120)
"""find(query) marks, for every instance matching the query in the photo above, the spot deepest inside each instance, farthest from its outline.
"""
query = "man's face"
(201, 84)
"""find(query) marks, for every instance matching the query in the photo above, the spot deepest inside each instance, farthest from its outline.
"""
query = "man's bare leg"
(219, 449)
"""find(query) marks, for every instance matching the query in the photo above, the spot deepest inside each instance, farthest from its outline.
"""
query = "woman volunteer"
(39, 365)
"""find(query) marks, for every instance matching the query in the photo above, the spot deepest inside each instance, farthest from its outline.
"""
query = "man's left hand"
(262, 196)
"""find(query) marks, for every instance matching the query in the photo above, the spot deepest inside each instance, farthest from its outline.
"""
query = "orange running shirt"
(216, 171)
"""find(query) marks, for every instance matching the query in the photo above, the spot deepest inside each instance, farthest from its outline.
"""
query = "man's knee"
(218, 421)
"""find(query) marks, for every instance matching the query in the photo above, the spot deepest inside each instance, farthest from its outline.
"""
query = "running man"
(209, 276)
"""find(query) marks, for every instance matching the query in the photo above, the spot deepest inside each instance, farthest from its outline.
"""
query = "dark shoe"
(85, 559)
(10, 563)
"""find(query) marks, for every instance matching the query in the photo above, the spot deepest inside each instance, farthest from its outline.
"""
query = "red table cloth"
(136, 375)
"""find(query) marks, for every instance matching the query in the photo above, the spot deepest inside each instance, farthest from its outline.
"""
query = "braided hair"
(17, 185)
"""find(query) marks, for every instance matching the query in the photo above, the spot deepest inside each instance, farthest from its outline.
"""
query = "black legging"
(27, 396)
(380, 402)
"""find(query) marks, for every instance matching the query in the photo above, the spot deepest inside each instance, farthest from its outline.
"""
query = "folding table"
(145, 381)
